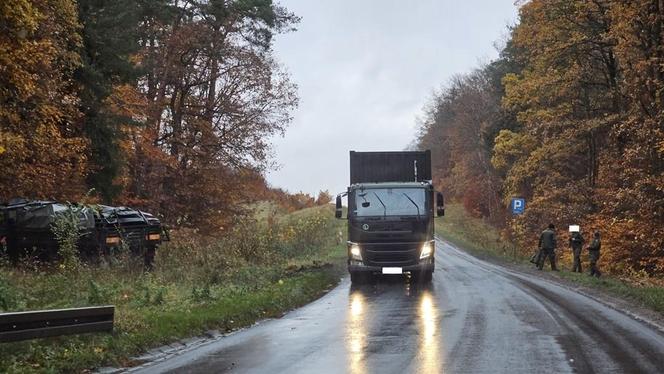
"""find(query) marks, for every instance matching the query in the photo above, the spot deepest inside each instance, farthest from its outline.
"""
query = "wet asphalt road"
(476, 317)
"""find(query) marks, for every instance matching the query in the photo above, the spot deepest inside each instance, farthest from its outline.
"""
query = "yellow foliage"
(510, 146)
(42, 155)
(590, 93)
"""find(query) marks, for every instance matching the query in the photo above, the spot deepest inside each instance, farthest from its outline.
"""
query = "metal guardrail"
(43, 323)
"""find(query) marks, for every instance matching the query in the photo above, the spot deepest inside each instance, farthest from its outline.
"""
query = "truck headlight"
(427, 250)
(112, 240)
(355, 252)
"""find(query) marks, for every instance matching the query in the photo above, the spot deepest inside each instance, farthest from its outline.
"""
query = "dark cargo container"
(26, 228)
(377, 167)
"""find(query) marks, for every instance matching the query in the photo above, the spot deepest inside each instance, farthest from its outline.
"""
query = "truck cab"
(391, 208)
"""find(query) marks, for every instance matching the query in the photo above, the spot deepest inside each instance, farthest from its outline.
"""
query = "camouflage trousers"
(576, 267)
(594, 257)
(544, 254)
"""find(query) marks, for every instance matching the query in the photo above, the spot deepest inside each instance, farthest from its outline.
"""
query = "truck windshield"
(390, 202)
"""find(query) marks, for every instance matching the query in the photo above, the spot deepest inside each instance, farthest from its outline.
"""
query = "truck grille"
(391, 254)
(134, 238)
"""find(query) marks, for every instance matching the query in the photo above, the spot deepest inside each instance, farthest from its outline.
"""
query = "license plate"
(392, 271)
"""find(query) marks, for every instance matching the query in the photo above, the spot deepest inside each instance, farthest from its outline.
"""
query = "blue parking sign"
(518, 205)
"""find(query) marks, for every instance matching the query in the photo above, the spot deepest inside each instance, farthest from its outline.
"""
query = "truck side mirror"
(440, 204)
(339, 211)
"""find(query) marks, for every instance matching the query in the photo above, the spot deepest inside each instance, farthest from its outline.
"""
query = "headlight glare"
(355, 252)
(427, 250)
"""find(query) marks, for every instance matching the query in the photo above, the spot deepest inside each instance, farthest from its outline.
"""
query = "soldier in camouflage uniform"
(593, 251)
(576, 242)
(547, 246)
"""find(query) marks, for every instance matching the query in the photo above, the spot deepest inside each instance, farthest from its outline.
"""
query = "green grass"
(651, 297)
(483, 240)
(256, 272)
(474, 235)
(141, 328)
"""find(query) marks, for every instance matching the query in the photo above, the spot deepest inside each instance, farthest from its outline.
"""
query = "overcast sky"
(365, 69)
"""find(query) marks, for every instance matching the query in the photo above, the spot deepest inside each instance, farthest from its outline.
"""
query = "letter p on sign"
(518, 205)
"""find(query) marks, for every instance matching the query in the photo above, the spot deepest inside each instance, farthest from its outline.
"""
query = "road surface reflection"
(356, 332)
(389, 317)
(429, 354)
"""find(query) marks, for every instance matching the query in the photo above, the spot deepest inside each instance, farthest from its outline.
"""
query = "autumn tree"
(632, 206)
(110, 43)
(214, 95)
(588, 101)
(167, 105)
(44, 153)
(578, 133)
(459, 128)
(324, 197)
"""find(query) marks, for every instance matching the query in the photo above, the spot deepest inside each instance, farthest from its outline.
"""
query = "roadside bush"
(201, 294)
(251, 242)
(306, 235)
(98, 294)
(66, 230)
(8, 297)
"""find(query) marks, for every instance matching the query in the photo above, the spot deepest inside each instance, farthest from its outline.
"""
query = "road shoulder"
(626, 306)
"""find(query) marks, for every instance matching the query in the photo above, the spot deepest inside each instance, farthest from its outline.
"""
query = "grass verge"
(483, 240)
(649, 296)
(259, 271)
(475, 235)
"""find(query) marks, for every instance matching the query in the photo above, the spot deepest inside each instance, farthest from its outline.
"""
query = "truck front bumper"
(424, 265)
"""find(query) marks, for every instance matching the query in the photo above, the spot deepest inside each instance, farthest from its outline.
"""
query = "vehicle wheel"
(13, 254)
(148, 259)
(357, 277)
(423, 276)
(428, 276)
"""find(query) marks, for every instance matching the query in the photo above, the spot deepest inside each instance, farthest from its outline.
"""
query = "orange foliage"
(579, 133)
(43, 154)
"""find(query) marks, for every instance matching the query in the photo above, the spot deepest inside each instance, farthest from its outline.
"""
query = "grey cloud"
(365, 69)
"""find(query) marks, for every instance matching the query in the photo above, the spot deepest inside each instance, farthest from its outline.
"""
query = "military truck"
(26, 227)
(391, 208)
(139, 231)
(25, 230)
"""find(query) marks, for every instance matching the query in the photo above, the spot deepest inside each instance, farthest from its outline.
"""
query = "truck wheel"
(428, 276)
(148, 259)
(357, 277)
(425, 276)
